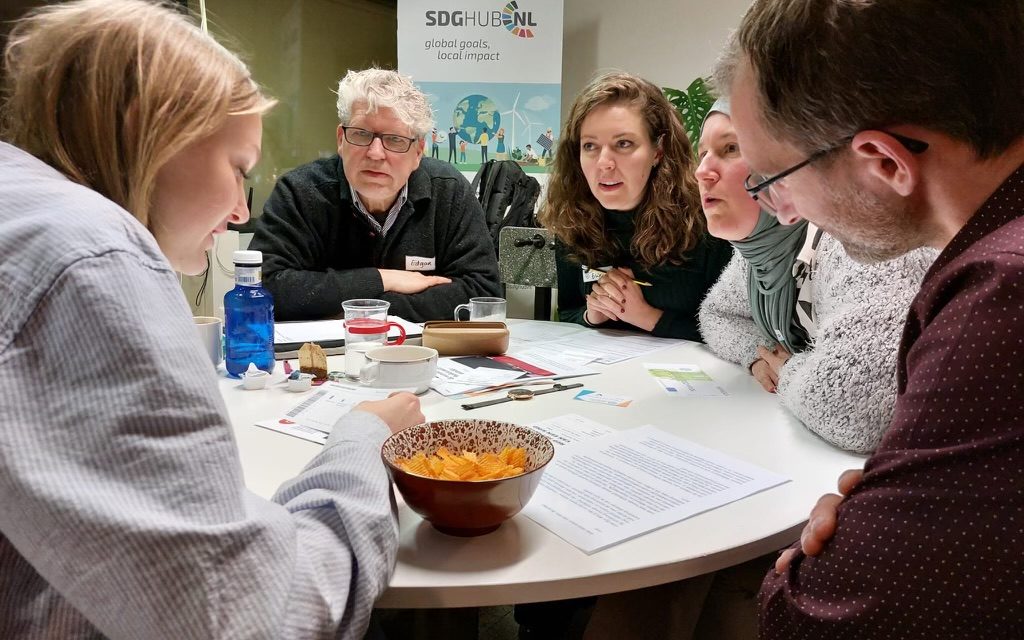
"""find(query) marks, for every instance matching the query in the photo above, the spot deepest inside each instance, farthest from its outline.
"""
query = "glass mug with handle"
(366, 328)
(483, 309)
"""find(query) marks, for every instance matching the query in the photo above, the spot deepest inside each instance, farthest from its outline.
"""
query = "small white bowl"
(303, 383)
(253, 380)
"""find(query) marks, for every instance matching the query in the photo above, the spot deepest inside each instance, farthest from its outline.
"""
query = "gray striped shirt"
(123, 511)
(389, 219)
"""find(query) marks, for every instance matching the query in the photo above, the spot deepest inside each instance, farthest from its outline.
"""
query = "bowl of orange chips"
(466, 476)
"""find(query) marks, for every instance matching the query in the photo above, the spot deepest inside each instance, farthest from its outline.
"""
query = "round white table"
(522, 561)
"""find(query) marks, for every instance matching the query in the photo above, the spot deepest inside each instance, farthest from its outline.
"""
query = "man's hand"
(409, 281)
(400, 410)
(618, 297)
(821, 525)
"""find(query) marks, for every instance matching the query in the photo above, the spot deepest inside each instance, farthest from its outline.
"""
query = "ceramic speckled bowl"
(467, 508)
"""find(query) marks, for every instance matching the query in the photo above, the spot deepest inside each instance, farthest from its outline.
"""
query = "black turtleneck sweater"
(677, 289)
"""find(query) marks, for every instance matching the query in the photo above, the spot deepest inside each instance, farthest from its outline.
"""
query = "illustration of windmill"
(530, 124)
(513, 116)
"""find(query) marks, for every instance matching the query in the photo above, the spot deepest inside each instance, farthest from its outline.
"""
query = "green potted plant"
(692, 104)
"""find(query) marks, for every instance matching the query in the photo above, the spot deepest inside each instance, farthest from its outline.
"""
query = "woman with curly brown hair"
(633, 251)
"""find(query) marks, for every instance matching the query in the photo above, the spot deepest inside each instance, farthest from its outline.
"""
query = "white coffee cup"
(211, 332)
(405, 366)
(355, 356)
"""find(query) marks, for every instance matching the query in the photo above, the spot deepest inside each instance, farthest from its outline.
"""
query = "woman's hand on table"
(619, 297)
(768, 366)
(764, 374)
(821, 525)
(399, 411)
(597, 311)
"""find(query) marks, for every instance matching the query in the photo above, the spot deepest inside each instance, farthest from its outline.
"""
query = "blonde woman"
(123, 512)
(633, 250)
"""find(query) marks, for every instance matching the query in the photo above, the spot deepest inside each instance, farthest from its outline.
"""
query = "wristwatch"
(520, 393)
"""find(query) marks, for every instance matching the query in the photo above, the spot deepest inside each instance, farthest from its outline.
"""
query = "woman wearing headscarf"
(812, 325)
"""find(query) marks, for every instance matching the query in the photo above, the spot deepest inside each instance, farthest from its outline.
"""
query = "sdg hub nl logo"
(519, 23)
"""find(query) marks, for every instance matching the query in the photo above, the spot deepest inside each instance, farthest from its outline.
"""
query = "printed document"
(684, 380)
(570, 428)
(463, 375)
(613, 346)
(314, 417)
(603, 346)
(601, 491)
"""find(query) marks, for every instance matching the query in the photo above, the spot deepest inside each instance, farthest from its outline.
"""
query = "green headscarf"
(771, 249)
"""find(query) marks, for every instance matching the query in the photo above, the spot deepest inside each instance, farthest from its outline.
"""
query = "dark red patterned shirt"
(931, 544)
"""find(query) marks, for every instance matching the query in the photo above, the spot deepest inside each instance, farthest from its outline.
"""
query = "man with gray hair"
(892, 125)
(377, 221)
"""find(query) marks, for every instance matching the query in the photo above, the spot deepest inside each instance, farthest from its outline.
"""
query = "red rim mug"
(373, 326)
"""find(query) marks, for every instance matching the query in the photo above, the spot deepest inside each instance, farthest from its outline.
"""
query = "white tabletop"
(522, 561)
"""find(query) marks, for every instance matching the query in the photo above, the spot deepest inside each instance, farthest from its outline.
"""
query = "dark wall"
(11, 10)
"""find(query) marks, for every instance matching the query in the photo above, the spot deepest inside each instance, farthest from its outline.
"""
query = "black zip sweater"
(319, 250)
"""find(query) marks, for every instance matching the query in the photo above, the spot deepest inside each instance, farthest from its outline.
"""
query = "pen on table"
(639, 282)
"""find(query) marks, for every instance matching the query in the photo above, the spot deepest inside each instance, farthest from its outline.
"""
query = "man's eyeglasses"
(391, 141)
(765, 190)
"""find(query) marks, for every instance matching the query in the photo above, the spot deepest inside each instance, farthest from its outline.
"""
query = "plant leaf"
(692, 105)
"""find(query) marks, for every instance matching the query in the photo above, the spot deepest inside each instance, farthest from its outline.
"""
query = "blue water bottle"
(248, 317)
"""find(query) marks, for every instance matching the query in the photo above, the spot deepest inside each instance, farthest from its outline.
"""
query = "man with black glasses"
(377, 221)
(892, 125)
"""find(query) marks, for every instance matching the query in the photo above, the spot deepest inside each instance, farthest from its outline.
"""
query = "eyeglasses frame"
(377, 135)
(913, 145)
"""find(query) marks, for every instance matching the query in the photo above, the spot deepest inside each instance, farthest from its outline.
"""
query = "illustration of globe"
(472, 114)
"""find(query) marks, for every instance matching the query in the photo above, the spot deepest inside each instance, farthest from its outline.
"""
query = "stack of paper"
(604, 486)
(459, 376)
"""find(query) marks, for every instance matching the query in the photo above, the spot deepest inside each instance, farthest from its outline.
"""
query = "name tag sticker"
(593, 275)
(416, 263)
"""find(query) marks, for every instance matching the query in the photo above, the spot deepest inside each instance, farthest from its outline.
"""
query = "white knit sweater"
(843, 387)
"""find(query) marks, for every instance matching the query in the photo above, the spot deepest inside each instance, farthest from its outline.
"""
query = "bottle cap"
(248, 257)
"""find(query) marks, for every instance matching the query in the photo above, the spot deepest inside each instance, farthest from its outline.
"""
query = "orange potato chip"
(469, 465)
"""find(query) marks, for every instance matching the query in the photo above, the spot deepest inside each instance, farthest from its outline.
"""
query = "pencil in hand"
(639, 282)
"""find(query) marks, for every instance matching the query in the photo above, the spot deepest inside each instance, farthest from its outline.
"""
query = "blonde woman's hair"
(668, 221)
(107, 92)
(385, 89)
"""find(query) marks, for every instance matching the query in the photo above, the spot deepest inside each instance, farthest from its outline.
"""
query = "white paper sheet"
(316, 414)
(484, 377)
(562, 363)
(529, 334)
(684, 380)
(454, 379)
(603, 346)
(602, 491)
(570, 428)
(448, 371)
(615, 346)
